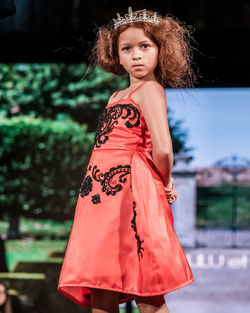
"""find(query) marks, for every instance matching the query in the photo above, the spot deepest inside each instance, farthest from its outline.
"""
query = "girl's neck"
(134, 82)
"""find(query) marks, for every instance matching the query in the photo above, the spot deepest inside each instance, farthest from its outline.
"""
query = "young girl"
(122, 245)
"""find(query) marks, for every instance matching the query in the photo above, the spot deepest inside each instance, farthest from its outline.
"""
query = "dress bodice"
(121, 125)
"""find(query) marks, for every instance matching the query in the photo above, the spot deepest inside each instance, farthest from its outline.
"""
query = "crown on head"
(133, 17)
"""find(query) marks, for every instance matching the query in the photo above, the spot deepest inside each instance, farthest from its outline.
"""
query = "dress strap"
(135, 89)
(114, 94)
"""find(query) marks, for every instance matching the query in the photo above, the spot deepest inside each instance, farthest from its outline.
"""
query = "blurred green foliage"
(52, 90)
(42, 163)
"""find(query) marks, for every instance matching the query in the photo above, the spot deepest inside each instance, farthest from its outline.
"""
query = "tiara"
(132, 17)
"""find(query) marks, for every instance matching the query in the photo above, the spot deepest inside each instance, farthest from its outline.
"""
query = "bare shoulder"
(148, 92)
(153, 86)
(110, 100)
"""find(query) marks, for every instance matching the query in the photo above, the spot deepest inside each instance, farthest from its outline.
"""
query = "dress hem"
(129, 293)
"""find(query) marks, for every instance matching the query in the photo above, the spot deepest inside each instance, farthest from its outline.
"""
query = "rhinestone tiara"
(133, 17)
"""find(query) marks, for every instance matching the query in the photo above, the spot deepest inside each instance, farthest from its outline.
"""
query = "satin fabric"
(102, 251)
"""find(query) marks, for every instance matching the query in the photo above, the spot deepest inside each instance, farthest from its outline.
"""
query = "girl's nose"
(136, 54)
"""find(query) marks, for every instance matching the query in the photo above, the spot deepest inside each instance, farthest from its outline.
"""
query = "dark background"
(64, 30)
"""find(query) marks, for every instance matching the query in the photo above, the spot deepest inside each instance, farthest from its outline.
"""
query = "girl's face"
(3, 296)
(135, 48)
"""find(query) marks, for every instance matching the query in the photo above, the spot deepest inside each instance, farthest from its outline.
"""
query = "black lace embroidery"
(107, 179)
(139, 241)
(86, 186)
(96, 199)
(108, 119)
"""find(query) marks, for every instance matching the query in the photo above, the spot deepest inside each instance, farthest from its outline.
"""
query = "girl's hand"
(170, 183)
(171, 192)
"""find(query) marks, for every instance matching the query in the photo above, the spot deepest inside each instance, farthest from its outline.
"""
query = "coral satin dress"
(122, 238)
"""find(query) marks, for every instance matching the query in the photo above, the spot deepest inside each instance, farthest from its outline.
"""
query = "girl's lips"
(138, 65)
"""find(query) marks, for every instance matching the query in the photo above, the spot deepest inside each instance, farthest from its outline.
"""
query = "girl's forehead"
(133, 34)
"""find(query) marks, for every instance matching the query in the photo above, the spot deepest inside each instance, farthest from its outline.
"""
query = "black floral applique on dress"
(86, 186)
(110, 180)
(108, 119)
(139, 241)
(96, 199)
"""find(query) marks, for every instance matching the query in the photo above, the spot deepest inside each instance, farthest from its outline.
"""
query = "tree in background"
(51, 90)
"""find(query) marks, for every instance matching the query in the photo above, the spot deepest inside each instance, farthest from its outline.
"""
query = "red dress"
(122, 238)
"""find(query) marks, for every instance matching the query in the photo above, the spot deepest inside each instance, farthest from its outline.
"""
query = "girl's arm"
(153, 105)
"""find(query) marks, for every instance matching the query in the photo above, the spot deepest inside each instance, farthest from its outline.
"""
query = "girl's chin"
(138, 76)
(140, 73)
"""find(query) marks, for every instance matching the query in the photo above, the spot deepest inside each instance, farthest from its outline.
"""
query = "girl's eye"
(127, 48)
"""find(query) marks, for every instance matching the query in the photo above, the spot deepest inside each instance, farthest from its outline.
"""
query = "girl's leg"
(154, 304)
(104, 301)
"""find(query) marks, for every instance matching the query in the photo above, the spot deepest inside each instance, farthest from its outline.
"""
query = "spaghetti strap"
(114, 94)
(129, 96)
(141, 85)
(135, 89)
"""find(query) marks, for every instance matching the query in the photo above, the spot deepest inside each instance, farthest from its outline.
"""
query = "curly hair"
(173, 40)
